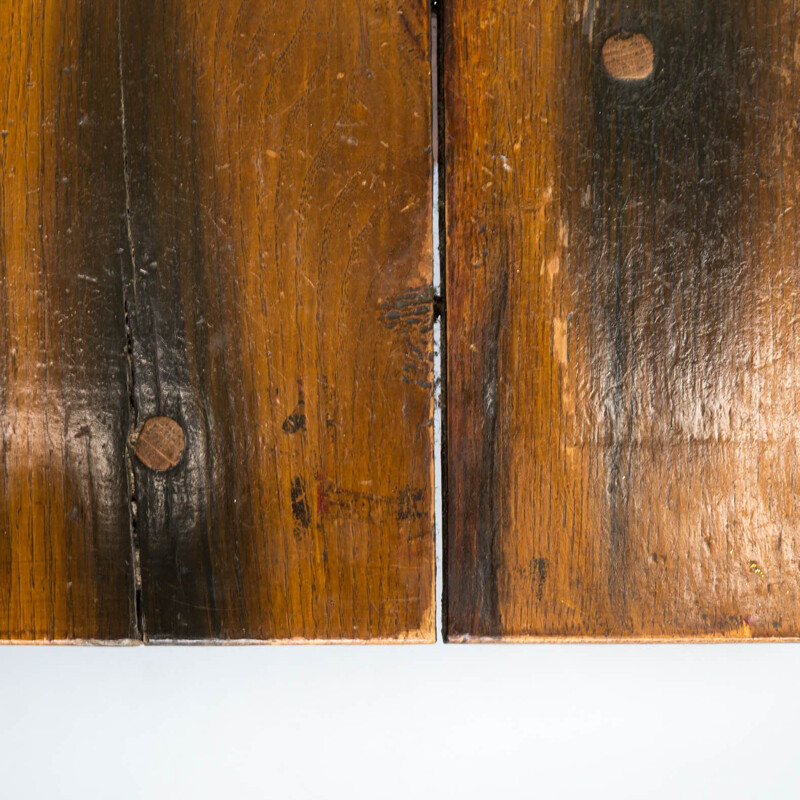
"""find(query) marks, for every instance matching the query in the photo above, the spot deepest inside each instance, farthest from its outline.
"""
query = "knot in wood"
(628, 56)
(160, 443)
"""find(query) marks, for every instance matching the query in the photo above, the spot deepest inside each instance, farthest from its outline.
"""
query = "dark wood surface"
(65, 545)
(278, 169)
(216, 214)
(622, 304)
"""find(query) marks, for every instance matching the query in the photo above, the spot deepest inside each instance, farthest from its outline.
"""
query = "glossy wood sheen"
(279, 193)
(622, 321)
(65, 547)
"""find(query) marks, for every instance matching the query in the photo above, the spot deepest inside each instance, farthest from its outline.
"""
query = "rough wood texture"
(65, 547)
(623, 321)
(278, 167)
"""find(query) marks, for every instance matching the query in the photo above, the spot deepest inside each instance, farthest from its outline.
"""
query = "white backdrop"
(469, 721)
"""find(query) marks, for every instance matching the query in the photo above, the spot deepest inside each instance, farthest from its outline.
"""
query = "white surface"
(616, 721)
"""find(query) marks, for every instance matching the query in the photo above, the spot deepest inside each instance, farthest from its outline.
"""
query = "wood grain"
(622, 321)
(279, 207)
(65, 548)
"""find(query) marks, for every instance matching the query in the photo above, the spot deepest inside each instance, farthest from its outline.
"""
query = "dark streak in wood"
(66, 571)
(643, 437)
(279, 172)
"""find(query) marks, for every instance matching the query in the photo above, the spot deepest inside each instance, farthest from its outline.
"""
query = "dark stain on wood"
(66, 568)
(409, 316)
(203, 207)
(300, 510)
(646, 361)
(279, 189)
(662, 163)
(487, 619)
(541, 577)
(296, 421)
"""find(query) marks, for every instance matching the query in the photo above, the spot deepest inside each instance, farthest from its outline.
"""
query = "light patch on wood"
(628, 56)
(560, 340)
(563, 233)
(743, 631)
(160, 443)
(552, 267)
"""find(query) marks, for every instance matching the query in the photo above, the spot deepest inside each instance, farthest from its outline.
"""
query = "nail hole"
(160, 443)
(628, 56)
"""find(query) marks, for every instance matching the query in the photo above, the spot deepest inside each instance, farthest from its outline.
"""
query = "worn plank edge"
(417, 637)
(72, 642)
(409, 640)
(660, 640)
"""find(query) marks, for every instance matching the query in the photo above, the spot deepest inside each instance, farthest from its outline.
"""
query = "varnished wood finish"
(278, 167)
(623, 321)
(65, 548)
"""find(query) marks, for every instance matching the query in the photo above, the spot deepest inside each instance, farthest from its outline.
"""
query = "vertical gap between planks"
(439, 330)
(128, 300)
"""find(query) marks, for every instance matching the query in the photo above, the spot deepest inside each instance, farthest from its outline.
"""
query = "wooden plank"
(65, 544)
(279, 196)
(622, 320)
